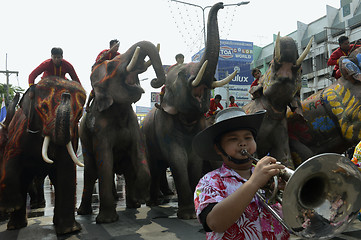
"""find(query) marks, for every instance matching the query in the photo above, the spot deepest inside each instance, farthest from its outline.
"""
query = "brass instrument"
(321, 198)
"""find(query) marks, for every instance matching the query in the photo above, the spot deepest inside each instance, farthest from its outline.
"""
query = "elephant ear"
(99, 83)
(102, 101)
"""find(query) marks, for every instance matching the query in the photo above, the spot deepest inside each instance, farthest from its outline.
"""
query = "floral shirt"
(356, 159)
(255, 223)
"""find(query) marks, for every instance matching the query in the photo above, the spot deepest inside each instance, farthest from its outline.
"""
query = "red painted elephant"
(42, 137)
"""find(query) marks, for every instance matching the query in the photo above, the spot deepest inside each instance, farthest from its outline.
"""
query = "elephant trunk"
(62, 121)
(153, 54)
(211, 52)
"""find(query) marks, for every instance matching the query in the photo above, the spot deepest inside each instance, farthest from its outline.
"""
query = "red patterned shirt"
(255, 222)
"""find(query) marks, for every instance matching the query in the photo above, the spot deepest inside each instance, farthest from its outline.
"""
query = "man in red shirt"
(344, 50)
(254, 90)
(55, 66)
(232, 103)
(108, 54)
(214, 105)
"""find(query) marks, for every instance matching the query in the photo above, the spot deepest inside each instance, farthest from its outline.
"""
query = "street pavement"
(143, 223)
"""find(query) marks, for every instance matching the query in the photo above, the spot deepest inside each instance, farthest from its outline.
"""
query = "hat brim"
(203, 142)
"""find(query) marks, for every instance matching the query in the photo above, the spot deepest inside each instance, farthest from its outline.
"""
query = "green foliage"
(12, 91)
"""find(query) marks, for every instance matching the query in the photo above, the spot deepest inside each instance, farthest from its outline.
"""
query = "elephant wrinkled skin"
(110, 133)
(49, 113)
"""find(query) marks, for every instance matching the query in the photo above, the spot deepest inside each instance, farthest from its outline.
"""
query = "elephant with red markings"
(42, 137)
(110, 133)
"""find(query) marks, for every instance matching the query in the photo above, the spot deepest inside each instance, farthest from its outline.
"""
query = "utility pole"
(8, 73)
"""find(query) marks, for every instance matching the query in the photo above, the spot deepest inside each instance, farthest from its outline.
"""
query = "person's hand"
(265, 169)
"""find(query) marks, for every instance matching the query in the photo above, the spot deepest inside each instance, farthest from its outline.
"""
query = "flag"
(3, 111)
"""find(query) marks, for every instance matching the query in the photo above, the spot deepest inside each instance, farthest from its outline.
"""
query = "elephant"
(279, 88)
(110, 135)
(331, 118)
(42, 137)
(170, 128)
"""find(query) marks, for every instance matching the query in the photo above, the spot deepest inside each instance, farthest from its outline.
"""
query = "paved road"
(143, 223)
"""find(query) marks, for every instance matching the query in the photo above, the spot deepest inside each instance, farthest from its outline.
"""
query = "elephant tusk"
(278, 48)
(224, 81)
(199, 76)
(305, 52)
(44, 150)
(134, 59)
(72, 154)
(149, 62)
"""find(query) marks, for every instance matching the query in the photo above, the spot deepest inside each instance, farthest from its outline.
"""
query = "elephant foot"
(167, 192)
(85, 209)
(132, 204)
(17, 220)
(107, 217)
(186, 213)
(62, 229)
(35, 205)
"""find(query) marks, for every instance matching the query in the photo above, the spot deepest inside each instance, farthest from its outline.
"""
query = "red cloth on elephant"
(335, 56)
(213, 106)
(49, 69)
(100, 58)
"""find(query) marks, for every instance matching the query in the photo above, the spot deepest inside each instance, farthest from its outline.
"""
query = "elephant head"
(53, 108)
(188, 85)
(116, 80)
(282, 80)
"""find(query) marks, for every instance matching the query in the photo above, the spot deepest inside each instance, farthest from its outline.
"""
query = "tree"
(12, 91)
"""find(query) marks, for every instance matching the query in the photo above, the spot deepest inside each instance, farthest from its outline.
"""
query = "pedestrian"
(55, 66)
(255, 89)
(179, 58)
(344, 50)
(225, 199)
(214, 104)
(232, 103)
(108, 54)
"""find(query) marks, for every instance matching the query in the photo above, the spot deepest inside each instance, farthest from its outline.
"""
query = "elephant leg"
(154, 191)
(179, 166)
(64, 180)
(164, 186)
(18, 217)
(107, 207)
(299, 152)
(36, 192)
(130, 188)
(90, 176)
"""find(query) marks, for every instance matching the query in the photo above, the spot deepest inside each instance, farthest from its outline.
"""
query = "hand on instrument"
(264, 170)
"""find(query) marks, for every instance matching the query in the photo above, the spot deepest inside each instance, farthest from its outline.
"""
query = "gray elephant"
(42, 137)
(110, 133)
(279, 88)
(169, 130)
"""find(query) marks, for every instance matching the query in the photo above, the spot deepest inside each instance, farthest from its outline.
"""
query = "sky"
(29, 29)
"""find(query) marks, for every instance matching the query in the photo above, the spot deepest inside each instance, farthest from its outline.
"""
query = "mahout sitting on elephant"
(110, 133)
(169, 131)
(280, 88)
(42, 137)
(331, 120)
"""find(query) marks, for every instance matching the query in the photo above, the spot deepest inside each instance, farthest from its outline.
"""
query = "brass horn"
(321, 198)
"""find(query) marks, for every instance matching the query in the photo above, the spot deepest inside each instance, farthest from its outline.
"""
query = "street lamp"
(204, 8)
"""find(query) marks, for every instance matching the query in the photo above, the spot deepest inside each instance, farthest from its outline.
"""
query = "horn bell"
(322, 196)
